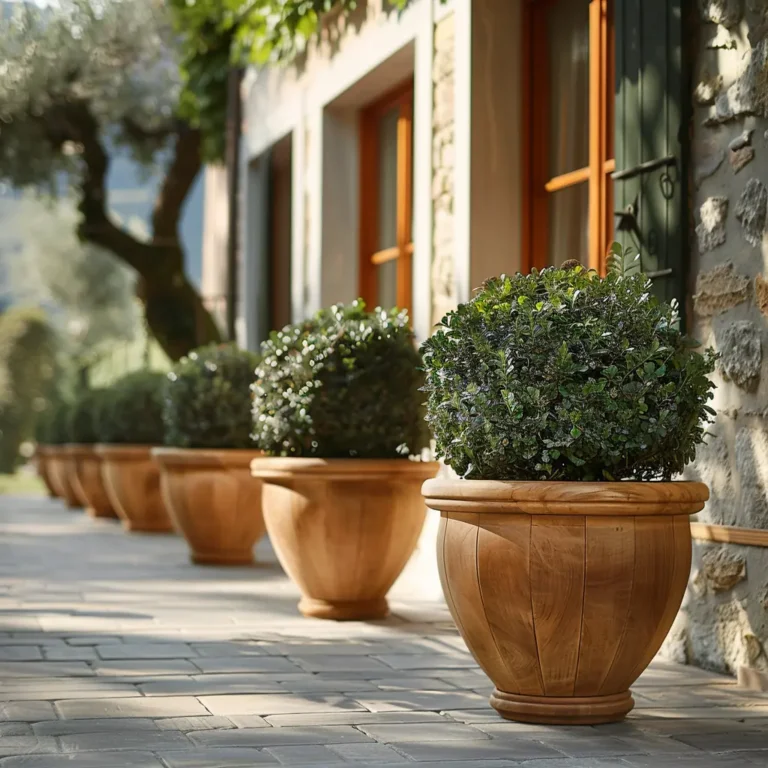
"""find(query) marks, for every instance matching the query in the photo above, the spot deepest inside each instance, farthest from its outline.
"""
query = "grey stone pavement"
(116, 652)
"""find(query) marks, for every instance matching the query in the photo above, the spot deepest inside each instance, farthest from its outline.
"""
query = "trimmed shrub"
(343, 384)
(131, 411)
(26, 368)
(563, 375)
(59, 422)
(85, 415)
(208, 398)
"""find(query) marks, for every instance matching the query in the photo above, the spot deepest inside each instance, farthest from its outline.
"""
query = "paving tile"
(256, 721)
(224, 757)
(85, 760)
(361, 717)
(274, 704)
(412, 683)
(68, 653)
(20, 653)
(172, 706)
(278, 737)
(369, 753)
(121, 651)
(92, 640)
(124, 739)
(27, 711)
(429, 661)
(15, 729)
(44, 669)
(727, 742)
(229, 649)
(245, 664)
(318, 756)
(106, 725)
(210, 684)
(423, 732)
(699, 761)
(62, 693)
(187, 724)
(487, 715)
(321, 663)
(410, 700)
(27, 745)
(145, 668)
(475, 750)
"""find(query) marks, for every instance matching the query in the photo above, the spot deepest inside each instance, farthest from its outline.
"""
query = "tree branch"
(179, 178)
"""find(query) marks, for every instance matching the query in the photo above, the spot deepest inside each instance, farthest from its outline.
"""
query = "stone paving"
(116, 653)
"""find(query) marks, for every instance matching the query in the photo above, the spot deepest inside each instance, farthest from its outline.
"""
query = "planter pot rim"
(205, 457)
(544, 497)
(123, 452)
(79, 449)
(284, 467)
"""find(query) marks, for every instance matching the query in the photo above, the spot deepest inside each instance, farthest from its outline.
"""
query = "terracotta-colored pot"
(61, 478)
(564, 592)
(213, 501)
(343, 529)
(89, 483)
(41, 464)
(132, 481)
(73, 452)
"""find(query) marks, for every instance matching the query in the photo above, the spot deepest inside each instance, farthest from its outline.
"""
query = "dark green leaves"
(344, 384)
(563, 375)
(208, 398)
(131, 410)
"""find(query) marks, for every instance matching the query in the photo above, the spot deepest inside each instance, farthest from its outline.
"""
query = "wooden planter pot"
(60, 476)
(132, 481)
(343, 529)
(89, 483)
(43, 471)
(70, 452)
(564, 592)
(213, 501)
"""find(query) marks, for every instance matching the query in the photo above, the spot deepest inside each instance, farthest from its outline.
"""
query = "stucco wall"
(724, 621)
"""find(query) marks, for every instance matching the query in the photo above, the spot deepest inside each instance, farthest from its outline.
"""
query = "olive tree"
(80, 80)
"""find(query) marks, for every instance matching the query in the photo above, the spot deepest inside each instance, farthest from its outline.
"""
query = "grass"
(23, 483)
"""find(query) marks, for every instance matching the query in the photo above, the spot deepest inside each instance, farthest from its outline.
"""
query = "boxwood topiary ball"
(208, 398)
(132, 410)
(563, 375)
(58, 423)
(84, 416)
(345, 384)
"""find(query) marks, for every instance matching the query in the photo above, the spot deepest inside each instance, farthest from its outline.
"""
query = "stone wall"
(724, 621)
(443, 275)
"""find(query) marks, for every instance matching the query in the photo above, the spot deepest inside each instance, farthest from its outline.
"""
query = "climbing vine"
(218, 34)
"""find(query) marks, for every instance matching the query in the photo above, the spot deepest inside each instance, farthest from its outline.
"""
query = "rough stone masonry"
(724, 621)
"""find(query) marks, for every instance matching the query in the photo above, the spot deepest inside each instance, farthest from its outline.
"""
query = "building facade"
(407, 156)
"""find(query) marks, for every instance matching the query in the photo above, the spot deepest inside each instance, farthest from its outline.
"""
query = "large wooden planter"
(70, 452)
(60, 475)
(89, 483)
(213, 501)
(132, 480)
(43, 471)
(343, 529)
(564, 592)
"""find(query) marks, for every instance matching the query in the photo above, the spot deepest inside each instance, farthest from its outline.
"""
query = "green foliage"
(131, 412)
(208, 398)
(218, 34)
(26, 368)
(343, 384)
(85, 415)
(563, 375)
(58, 423)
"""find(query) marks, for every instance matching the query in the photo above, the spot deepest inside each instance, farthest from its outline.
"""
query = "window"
(386, 245)
(569, 143)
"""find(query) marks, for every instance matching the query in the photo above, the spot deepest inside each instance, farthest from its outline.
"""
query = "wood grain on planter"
(90, 483)
(564, 611)
(213, 501)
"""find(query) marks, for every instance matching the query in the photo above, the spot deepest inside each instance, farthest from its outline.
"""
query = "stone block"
(171, 706)
(722, 569)
(725, 12)
(741, 353)
(711, 230)
(740, 158)
(720, 289)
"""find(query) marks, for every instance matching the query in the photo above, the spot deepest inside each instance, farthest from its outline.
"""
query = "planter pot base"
(132, 527)
(360, 610)
(567, 710)
(222, 558)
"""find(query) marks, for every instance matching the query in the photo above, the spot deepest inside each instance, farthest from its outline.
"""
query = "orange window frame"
(370, 254)
(538, 183)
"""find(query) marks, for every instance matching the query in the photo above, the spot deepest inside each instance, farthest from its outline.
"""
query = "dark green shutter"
(650, 182)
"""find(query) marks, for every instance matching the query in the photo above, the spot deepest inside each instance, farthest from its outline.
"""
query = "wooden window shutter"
(650, 181)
